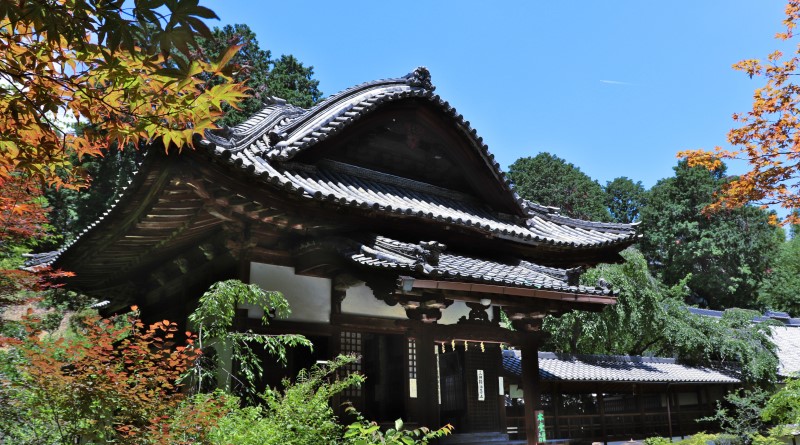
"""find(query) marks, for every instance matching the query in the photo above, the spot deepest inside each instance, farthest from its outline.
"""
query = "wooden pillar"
(669, 413)
(427, 390)
(530, 387)
(556, 409)
(601, 403)
(640, 406)
(501, 402)
(677, 399)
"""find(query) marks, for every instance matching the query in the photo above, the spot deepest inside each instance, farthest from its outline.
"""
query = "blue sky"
(615, 87)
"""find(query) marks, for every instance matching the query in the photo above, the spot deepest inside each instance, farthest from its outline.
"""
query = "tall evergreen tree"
(549, 180)
(726, 253)
(294, 82)
(624, 199)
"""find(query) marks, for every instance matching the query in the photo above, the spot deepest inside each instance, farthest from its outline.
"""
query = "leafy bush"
(300, 414)
(742, 420)
(657, 441)
(364, 432)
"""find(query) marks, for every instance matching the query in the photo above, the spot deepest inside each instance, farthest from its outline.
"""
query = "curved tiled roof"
(616, 368)
(358, 187)
(263, 148)
(432, 259)
(263, 144)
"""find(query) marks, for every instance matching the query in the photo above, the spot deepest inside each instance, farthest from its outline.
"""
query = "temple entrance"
(384, 367)
(453, 409)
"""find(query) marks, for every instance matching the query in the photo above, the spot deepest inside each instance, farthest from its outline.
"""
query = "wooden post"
(669, 413)
(427, 395)
(601, 403)
(530, 388)
(640, 405)
(556, 409)
(677, 399)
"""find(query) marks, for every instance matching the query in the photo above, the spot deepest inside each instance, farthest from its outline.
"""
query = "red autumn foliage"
(117, 381)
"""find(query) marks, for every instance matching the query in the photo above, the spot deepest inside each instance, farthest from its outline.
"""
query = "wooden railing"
(618, 426)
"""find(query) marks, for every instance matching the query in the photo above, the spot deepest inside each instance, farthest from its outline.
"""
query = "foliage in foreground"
(115, 380)
(118, 381)
(740, 417)
(213, 319)
(769, 134)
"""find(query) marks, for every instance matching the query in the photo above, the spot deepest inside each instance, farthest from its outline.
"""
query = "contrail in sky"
(615, 82)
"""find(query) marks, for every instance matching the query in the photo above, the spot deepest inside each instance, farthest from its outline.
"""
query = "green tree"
(549, 180)
(727, 254)
(72, 210)
(650, 318)
(294, 82)
(634, 325)
(624, 199)
(780, 290)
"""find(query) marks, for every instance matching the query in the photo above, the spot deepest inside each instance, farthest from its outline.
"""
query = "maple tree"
(108, 67)
(769, 135)
(114, 381)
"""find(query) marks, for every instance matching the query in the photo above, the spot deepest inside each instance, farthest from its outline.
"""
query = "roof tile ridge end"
(419, 78)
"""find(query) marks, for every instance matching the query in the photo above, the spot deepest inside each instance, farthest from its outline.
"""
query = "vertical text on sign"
(481, 386)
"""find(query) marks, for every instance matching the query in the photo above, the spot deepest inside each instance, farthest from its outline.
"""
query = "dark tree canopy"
(73, 210)
(727, 253)
(549, 180)
(624, 199)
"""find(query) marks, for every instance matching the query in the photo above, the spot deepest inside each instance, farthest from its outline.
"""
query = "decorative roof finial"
(421, 77)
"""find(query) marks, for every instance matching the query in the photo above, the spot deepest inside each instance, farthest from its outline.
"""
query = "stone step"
(475, 439)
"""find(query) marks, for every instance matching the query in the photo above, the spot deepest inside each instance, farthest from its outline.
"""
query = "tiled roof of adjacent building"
(611, 368)
(787, 341)
(781, 317)
(433, 260)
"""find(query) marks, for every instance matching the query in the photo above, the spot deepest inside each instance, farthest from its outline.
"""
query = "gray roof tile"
(787, 340)
(616, 368)
(432, 259)
(263, 144)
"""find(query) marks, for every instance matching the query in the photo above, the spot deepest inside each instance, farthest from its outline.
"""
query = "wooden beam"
(514, 292)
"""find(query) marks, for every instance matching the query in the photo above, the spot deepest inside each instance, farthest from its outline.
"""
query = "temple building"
(384, 220)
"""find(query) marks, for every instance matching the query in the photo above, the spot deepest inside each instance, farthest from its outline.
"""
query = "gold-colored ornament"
(483, 349)
(465, 345)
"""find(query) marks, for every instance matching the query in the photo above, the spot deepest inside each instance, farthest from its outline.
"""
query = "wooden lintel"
(513, 292)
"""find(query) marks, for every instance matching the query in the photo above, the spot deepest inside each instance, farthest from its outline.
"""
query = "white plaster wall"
(309, 297)
(359, 300)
